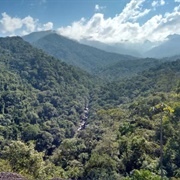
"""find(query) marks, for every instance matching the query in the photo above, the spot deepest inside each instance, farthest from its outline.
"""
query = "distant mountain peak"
(173, 36)
(168, 48)
(35, 36)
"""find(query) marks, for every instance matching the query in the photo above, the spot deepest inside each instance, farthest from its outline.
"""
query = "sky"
(107, 21)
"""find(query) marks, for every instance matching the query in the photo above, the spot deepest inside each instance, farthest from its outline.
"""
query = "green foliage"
(5, 166)
(143, 175)
(101, 167)
(23, 158)
(43, 101)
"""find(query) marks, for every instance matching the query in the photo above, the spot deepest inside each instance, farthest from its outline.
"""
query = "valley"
(72, 111)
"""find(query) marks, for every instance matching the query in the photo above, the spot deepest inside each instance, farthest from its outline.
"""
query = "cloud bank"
(158, 3)
(125, 27)
(11, 25)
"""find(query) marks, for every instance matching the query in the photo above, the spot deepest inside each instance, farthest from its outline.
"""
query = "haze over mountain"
(104, 64)
(35, 36)
(170, 47)
(120, 48)
(74, 53)
(167, 48)
(159, 49)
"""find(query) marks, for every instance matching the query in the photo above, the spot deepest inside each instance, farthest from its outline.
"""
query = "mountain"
(37, 88)
(36, 35)
(133, 109)
(171, 58)
(161, 78)
(171, 47)
(126, 126)
(130, 68)
(58, 122)
(167, 48)
(79, 55)
(137, 49)
(120, 48)
(109, 66)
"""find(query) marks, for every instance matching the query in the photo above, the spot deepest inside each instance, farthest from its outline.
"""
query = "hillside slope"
(43, 101)
(130, 68)
(37, 89)
(74, 53)
(166, 49)
(163, 78)
(108, 66)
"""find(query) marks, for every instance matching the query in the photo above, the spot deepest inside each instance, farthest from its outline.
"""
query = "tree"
(143, 175)
(23, 158)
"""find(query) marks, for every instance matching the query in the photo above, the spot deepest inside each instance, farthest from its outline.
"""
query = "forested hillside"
(168, 48)
(58, 121)
(74, 53)
(127, 68)
(106, 65)
(41, 98)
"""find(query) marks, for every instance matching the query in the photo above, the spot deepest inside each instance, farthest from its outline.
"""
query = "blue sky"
(108, 21)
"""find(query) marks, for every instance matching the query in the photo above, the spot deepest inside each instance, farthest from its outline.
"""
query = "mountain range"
(168, 48)
(72, 52)
(95, 61)
(58, 120)
(159, 49)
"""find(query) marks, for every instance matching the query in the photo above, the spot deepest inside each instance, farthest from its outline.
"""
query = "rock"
(11, 176)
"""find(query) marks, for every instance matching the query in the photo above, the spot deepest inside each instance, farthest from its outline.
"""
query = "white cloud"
(154, 3)
(29, 23)
(177, 1)
(158, 3)
(45, 27)
(124, 26)
(119, 28)
(99, 8)
(48, 26)
(162, 2)
(177, 8)
(133, 11)
(10, 25)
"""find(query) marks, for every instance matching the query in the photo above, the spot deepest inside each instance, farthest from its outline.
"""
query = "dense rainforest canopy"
(56, 120)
